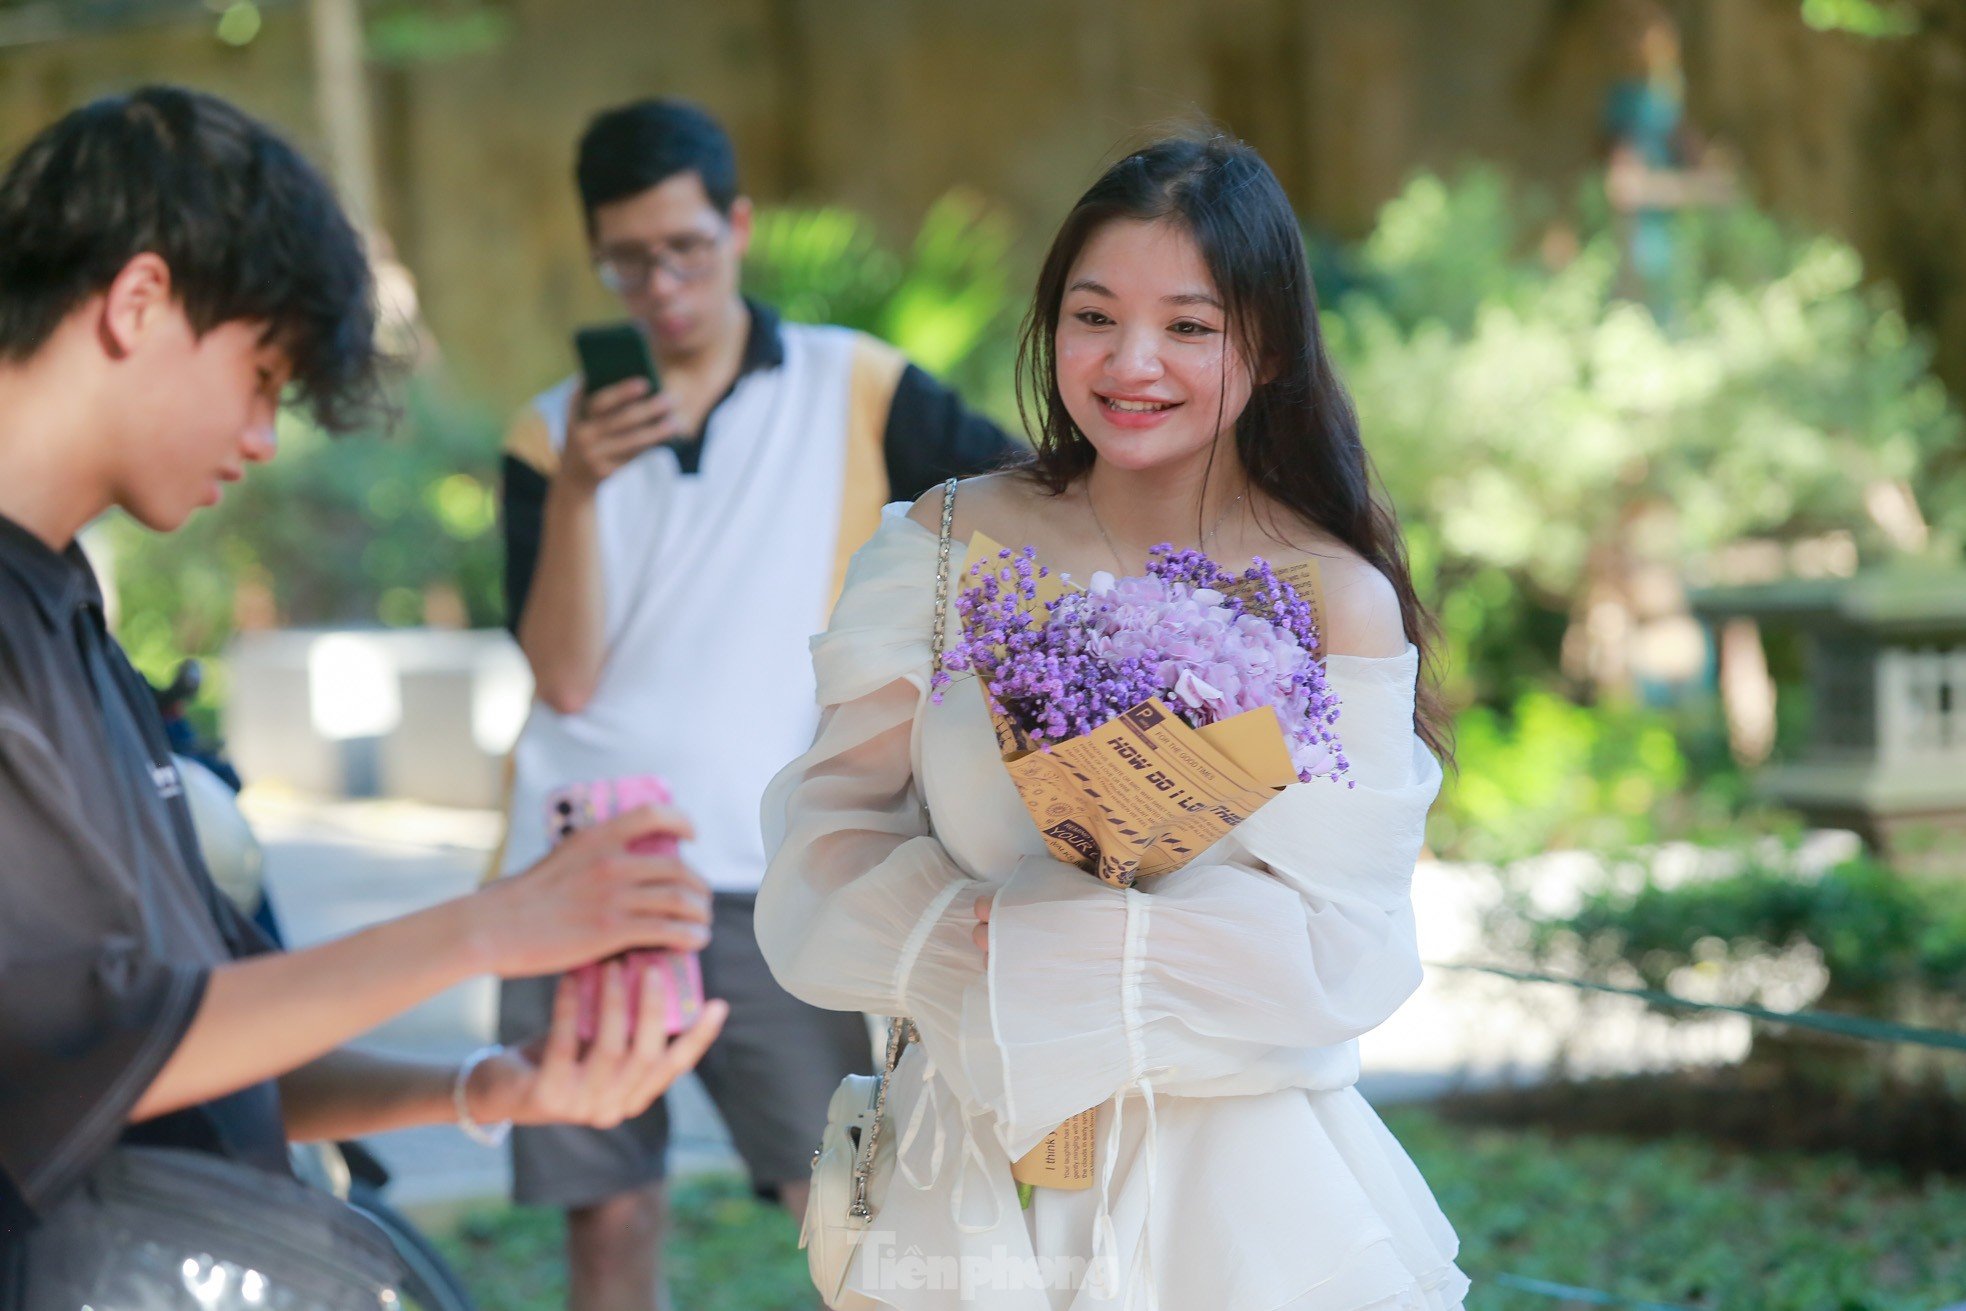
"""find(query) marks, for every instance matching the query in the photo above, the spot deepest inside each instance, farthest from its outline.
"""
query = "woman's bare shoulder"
(997, 504)
(1361, 607)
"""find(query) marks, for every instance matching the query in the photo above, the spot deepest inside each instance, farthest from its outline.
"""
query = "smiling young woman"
(1178, 392)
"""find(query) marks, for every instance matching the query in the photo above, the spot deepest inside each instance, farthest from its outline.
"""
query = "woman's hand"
(551, 1081)
(981, 933)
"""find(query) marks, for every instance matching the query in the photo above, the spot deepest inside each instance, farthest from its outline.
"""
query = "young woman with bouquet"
(1181, 401)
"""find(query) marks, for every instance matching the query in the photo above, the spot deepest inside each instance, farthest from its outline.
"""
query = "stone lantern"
(1885, 657)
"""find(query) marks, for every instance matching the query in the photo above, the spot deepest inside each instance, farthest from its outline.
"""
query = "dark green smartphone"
(614, 352)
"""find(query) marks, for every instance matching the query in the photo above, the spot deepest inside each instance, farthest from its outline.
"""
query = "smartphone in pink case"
(679, 973)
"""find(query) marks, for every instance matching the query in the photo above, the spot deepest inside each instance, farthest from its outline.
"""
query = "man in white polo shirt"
(668, 557)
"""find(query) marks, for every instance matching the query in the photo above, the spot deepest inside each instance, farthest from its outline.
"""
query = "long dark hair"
(1298, 436)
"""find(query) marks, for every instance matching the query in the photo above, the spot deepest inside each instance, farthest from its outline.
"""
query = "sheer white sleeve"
(861, 908)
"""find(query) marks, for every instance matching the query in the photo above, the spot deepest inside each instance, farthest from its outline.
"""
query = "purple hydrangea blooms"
(1208, 643)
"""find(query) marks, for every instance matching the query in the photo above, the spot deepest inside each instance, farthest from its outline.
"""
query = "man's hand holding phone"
(613, 426)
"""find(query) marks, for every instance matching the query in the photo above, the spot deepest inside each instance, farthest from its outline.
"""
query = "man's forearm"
(561, 629)
(267, 1015)
(348, 1094)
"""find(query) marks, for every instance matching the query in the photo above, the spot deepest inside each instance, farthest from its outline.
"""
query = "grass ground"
(1675, 1222)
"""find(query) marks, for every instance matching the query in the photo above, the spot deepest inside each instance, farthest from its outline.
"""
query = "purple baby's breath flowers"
(1210, 644)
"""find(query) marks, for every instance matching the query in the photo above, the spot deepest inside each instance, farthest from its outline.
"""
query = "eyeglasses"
(627, 269)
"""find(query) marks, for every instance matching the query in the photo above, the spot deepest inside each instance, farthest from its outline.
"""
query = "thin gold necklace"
(1098, 523)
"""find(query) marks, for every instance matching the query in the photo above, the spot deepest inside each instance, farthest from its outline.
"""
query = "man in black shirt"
(169, 270)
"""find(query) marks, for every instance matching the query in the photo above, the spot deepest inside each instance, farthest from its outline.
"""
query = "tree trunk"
(341, 98)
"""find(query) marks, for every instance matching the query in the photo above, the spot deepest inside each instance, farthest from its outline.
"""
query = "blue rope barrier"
(1597, 1296)
(1574, 1293)
(1849, 1026)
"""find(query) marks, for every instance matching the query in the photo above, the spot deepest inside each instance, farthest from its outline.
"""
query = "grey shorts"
(771, 1074)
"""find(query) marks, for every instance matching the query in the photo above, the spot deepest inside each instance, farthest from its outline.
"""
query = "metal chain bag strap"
(855, 1161)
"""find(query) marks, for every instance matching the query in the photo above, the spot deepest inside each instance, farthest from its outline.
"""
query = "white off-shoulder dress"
(1211, 1015)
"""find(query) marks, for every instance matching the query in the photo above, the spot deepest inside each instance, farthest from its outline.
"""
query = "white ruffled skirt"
(1290, 1199)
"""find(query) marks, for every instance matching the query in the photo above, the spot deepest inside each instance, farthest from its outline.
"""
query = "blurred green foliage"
(946, 301)
(1682, 1223)
(405, 32)
(1528, 421)
(1547, 773)
(1519, 411)
(1871, 18)
(726, 1251)
(1888, 940)
(353, 530)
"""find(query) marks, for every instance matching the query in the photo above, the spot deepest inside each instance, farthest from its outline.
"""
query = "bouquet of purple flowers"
(1210, 644)
(1143, 717)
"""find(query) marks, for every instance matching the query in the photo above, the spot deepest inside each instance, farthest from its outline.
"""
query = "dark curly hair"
(248, 227)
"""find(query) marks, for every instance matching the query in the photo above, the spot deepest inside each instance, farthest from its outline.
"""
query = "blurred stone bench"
(417, 714)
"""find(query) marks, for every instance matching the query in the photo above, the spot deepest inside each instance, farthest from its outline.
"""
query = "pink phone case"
(577, 806)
